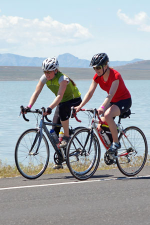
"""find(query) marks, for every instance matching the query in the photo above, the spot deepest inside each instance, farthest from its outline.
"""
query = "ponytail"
(74, 84)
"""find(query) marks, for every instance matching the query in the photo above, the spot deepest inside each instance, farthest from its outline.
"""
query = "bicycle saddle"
(126, 114)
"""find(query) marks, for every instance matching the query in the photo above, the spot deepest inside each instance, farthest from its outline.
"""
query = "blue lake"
(17, 93)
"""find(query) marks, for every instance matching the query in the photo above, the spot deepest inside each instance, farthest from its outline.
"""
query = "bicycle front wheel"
(132, 156)
(30, 160)
(83, 154)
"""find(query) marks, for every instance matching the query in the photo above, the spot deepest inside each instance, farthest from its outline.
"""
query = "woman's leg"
(65, 110)
(56, 119)
(115, 110)
(103, 119)
(109, 115)
(65, 125)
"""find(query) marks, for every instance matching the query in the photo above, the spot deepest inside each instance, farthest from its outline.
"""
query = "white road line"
(73, 182)
(45, 185)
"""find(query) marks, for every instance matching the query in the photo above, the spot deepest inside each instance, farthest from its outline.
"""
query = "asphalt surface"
(106, 198)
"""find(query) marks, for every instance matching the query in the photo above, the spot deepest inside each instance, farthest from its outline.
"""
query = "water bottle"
(53, 133)
(61, 134)
(105, 137)
(105, 132)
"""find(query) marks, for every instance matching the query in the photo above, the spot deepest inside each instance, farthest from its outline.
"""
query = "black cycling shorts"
(123, 105)
(63, 110)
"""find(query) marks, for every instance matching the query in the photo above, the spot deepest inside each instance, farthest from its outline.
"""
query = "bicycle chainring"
(107, 159)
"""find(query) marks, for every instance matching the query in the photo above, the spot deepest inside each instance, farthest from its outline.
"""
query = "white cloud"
(141, 20)
(21, 32)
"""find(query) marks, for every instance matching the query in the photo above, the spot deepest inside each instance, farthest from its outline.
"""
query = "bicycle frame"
(120, 129)
(42, 127)
(130, 158)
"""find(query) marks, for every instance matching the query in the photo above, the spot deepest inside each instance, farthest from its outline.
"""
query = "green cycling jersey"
(71, 91)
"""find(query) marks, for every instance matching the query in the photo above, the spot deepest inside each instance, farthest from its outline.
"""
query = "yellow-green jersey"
(71, 91)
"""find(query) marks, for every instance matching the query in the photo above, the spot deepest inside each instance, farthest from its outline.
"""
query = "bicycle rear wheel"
(83, 154)
(133, 153)
(31, 164)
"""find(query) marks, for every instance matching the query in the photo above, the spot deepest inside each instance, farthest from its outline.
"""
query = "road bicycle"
(84, 152)
(32, 150)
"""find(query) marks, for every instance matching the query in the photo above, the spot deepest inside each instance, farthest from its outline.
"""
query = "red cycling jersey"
(121, 93)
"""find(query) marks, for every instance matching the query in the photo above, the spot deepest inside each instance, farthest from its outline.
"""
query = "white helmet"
(50, 64)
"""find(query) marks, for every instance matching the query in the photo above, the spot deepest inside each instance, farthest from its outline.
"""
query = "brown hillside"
(135, 71)
(142, 65)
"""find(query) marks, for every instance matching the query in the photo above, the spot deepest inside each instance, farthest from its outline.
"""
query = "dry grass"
(8, 171)
(11, 171)
(148, 161)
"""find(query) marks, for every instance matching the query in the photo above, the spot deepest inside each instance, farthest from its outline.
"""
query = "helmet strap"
(104, 71)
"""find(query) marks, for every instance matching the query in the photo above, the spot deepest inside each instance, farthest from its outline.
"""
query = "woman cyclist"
(66, 92)
(118, 99)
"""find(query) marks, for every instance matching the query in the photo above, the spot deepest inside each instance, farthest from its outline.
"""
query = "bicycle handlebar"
(93, 111)
(33, 111)
(73, 114)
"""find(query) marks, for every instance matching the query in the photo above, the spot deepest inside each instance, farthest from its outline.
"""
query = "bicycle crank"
(108, 160)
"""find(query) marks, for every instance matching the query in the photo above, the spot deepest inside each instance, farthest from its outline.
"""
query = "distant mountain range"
(65, 60)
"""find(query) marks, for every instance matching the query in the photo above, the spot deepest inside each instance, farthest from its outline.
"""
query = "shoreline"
(34, 73)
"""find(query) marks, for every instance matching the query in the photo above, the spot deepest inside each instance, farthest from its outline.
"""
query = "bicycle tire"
(133, 163)
(83, 162)
(30, 165)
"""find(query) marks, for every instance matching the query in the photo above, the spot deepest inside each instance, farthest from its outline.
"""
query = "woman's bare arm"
(36, 93)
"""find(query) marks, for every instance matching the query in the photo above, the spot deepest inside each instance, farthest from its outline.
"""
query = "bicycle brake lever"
(22, 110)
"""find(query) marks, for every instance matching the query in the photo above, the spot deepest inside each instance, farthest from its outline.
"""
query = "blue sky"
(46, 28)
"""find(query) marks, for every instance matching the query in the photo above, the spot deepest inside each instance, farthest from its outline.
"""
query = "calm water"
(16, 93)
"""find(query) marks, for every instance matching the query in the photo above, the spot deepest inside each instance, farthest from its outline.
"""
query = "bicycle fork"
(90, 135)
(38, 138)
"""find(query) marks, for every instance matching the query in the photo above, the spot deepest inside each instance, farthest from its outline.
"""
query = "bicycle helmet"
(50, 64)
(99, 59)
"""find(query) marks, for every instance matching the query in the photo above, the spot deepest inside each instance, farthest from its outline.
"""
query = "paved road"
(107, 198)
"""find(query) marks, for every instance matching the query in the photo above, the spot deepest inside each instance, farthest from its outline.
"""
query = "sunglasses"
(98, 67)
(47, 72)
